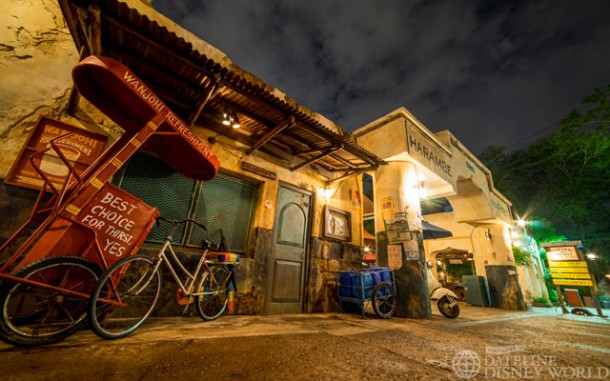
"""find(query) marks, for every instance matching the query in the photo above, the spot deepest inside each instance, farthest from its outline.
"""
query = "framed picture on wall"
(337, 224)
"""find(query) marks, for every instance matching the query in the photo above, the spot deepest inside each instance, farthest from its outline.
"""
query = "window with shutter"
(225, 202)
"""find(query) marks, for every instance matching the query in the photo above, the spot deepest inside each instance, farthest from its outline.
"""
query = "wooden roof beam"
(175, 55)
(91, 24)
(269, 135)
(343, 161)
(315, 158)
(214, 90)
(352, 173)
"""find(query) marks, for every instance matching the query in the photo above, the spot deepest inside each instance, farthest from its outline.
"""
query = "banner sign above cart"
(79, 148)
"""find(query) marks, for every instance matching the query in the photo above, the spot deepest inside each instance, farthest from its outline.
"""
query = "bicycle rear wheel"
(214, 302)
(35, 315)
(124, 297)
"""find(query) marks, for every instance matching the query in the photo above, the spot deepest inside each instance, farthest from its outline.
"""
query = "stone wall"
(326, 260)
(504, 287)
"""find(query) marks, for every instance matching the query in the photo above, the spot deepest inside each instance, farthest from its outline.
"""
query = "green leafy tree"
(563, 178)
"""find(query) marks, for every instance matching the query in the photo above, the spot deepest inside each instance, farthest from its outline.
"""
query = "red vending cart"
(88, 224)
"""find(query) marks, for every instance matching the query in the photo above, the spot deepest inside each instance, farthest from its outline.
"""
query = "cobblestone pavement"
(483, 343)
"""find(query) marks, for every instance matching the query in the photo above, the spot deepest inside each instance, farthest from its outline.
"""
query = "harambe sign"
(120, 221)
(428, 153)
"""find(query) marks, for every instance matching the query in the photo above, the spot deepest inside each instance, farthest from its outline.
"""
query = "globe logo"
(466, 364)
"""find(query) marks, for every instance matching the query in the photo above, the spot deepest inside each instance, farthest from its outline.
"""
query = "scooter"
(446, 299)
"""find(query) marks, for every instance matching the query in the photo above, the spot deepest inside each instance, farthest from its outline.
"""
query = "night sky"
(491, 72)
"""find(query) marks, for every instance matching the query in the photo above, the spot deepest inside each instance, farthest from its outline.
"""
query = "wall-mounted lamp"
(423, 192)
(325, 193)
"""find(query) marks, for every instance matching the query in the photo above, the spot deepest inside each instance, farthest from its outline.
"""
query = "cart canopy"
(123, 97)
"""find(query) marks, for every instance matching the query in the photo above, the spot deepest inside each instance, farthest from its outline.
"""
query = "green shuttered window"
(225, 202)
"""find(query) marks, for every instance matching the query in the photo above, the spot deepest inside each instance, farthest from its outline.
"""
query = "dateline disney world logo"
(512, 362)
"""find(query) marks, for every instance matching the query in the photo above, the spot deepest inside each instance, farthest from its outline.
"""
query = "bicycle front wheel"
(124, 297)
(214, 285)
(37, 315)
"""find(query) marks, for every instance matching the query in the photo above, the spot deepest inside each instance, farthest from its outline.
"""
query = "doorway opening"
(451, 265)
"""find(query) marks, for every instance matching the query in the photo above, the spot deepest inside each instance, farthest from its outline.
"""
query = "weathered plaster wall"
(36, 54)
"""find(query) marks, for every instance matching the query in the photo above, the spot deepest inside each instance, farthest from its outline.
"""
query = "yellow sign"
(568, 264)
(571, 275)
(573, 282)
(558, 270)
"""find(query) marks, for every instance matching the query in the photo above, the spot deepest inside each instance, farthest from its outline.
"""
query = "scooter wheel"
(445, 307)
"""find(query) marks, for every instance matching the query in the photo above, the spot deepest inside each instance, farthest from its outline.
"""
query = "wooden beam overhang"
(90, 21)
(91, 24)
(270, 134)
(315, 158)
(199, 107)
(189, 80)
(352, 173)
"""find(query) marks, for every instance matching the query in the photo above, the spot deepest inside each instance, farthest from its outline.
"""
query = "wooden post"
(563, 307)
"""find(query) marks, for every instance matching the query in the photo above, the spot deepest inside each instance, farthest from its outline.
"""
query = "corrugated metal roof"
(187, 72)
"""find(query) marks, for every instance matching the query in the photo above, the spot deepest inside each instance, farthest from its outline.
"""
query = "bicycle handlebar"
(178, 222)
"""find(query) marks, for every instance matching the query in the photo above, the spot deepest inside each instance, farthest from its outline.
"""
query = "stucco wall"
(36, 54)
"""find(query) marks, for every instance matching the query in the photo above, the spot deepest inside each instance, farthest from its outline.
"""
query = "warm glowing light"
(325, 193)
(423, 193)
(521, 223)
(367, 249)
(591, 256)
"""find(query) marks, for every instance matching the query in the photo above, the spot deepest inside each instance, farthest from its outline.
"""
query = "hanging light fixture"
(229, 118)
(235, 121)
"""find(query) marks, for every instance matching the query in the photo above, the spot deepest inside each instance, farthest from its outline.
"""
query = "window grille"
(225, 202)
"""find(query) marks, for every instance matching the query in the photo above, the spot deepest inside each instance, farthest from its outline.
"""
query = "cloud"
(491, 72)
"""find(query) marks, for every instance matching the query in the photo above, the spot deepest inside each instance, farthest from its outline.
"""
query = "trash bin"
(476, 289)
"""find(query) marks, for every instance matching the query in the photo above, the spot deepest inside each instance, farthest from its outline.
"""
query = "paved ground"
(483, 343)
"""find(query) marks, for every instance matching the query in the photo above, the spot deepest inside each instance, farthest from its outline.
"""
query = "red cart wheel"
(35, 315)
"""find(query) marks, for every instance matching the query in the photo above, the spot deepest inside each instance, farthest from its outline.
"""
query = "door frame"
(271, 259)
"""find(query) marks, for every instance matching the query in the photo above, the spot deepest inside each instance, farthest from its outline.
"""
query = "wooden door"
(288, 262)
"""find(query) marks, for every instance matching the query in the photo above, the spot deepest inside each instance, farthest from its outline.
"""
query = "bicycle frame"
(189, 284)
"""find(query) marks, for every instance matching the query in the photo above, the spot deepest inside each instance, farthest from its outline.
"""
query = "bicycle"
(118, 308)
